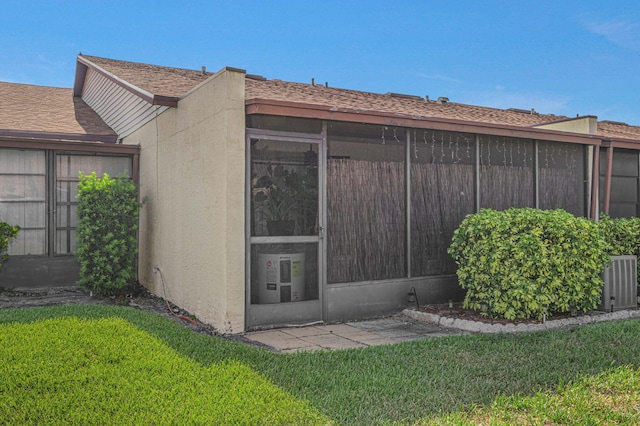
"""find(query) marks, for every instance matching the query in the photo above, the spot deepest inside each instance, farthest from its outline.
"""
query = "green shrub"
(106, 242)
(622, 236)
(525, 263)
(7, 233)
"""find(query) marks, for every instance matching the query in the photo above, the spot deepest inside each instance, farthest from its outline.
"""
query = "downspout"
(607, 179)
(477, 177)
(595, 176)
(536, 174)
(407, 178)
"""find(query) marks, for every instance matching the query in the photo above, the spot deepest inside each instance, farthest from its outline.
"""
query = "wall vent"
(620, 284)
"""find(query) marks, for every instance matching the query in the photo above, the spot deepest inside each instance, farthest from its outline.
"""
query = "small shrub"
(525, 263)
(7, 233)
(107, 233)
(622, 236)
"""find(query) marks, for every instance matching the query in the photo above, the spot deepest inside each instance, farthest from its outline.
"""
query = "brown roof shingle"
(409, 106)
(176, 82)
(27, 108)
(614, 130)
(155, 79)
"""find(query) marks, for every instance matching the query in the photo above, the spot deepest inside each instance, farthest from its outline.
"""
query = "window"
(442, 194)
(68, 168)
(561, 178)
(23, 199)
(28, 186)
(625, 182)
(366, 203)
(506, 172)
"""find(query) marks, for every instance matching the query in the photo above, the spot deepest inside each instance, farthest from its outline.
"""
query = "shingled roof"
(49, 113)
(176, 82)
(155, 79)
(413, 106)
(617, 130)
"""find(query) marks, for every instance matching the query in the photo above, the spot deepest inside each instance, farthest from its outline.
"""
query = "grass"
(608, 398)
(107, 371)
(406, 383)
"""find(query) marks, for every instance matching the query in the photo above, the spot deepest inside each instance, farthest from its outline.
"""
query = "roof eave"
(58, 136)
(149, 97)
(69, 145)
(621, 143)
(325, 112)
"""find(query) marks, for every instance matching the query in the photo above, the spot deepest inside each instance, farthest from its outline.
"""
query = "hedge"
(107, 243)
(622, 236)
(528, 263)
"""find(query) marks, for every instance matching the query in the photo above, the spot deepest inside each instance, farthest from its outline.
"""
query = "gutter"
(53, 141)
(335, 113)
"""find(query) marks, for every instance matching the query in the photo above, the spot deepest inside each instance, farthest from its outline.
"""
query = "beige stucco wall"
(587, 125)
(192, 166)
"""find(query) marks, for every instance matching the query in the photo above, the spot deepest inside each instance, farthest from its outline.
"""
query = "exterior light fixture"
(613, 302)
(573, 310)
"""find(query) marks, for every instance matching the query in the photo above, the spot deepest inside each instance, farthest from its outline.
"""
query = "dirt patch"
(139, 298)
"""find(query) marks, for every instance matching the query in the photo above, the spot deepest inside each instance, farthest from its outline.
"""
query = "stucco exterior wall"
(587, 125)
(192, 164)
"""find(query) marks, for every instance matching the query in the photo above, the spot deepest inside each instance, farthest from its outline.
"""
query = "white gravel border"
(483, 327)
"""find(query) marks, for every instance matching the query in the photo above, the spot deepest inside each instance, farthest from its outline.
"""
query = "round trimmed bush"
(527, 263)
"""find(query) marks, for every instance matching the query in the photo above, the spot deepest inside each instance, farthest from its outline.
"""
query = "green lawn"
(84, 364)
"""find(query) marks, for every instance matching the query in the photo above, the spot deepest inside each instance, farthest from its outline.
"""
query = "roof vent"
(443, 100)
(204, 69)
(313, 83)
(523, 111)
(619, 123)
(402, 95)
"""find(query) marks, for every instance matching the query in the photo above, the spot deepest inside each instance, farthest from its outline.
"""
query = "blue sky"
(561, 57)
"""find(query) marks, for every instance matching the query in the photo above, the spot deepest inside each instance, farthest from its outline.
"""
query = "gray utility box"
(620, 284)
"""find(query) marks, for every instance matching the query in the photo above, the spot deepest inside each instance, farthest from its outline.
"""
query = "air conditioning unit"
(620, 289)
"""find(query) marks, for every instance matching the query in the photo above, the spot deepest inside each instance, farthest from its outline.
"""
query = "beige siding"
(587, 124)
(123, 111)
(192, 243)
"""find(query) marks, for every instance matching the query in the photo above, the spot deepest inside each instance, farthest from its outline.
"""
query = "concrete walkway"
(359, 334)
(409, 325)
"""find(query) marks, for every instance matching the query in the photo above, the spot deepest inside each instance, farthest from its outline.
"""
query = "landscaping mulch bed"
(138, 298)
(457, 311)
